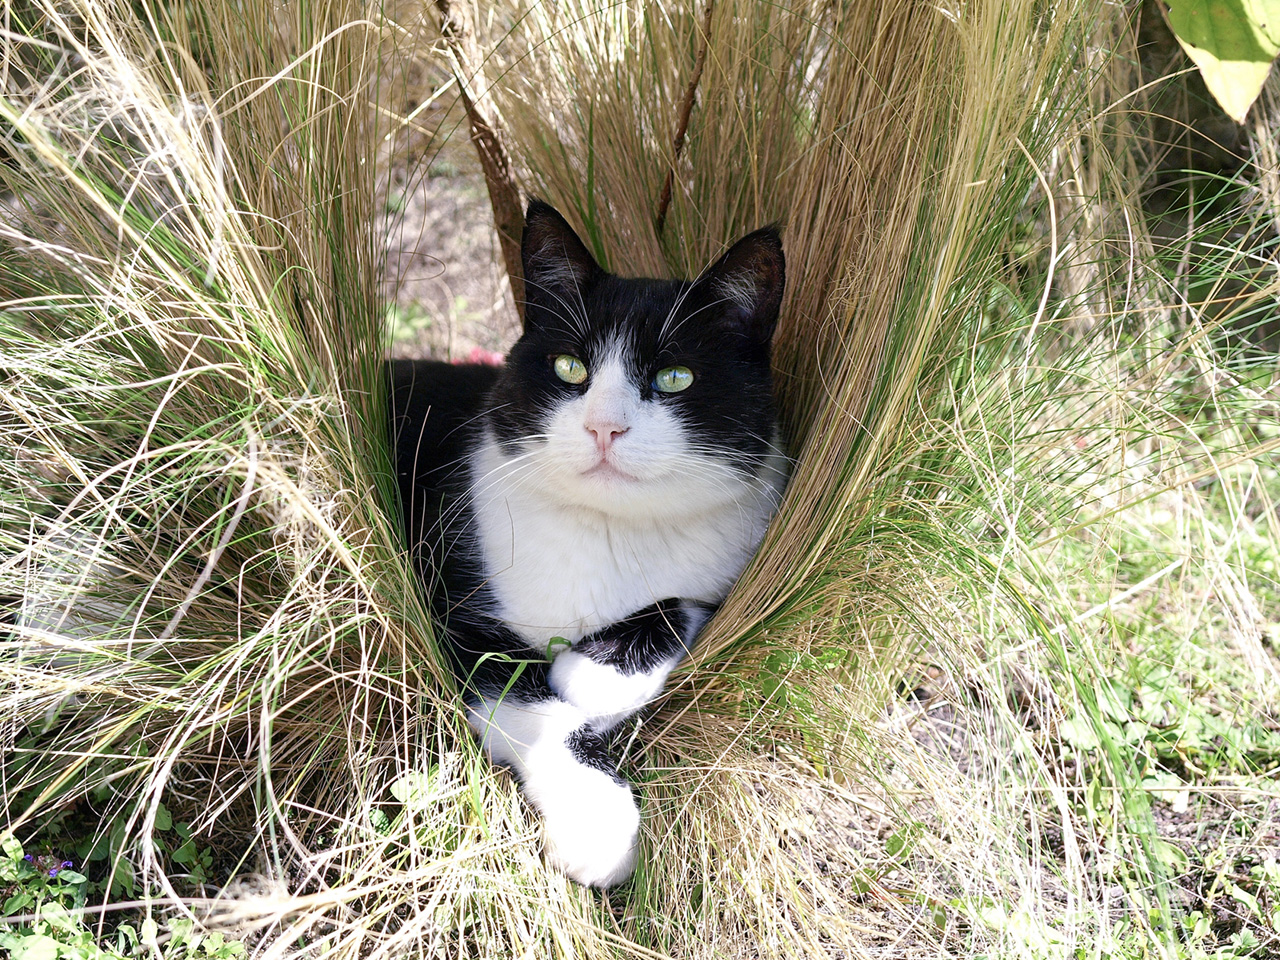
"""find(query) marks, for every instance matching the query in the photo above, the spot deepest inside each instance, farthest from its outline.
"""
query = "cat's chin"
(648, 491)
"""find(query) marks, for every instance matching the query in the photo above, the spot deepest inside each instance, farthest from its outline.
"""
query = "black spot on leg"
(591, 750)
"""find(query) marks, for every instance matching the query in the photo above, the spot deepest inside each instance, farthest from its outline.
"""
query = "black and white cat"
(579, 513)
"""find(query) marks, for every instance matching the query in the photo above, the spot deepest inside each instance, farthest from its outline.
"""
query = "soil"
(444, 271)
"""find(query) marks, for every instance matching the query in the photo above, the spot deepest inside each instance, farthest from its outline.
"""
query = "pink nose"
(605, 433)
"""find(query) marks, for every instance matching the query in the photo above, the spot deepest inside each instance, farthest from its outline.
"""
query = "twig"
(682, 124)
(504, 195)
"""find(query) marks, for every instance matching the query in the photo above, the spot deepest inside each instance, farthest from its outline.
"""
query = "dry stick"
(682, 125)
(504, 195)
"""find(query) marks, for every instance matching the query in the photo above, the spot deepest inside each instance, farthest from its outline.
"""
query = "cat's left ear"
(745, 285)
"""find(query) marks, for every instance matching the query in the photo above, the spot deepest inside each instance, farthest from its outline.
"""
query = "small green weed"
(43, 915)
(790, 682)
(395, 202)
(42, 912)
(1177, 737)
(32, 881)
(406, 322)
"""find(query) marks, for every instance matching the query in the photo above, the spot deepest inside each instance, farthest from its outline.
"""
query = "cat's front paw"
(592, 827)
(605, 694)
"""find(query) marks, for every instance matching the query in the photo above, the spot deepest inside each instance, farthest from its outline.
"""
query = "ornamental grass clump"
(210, 621)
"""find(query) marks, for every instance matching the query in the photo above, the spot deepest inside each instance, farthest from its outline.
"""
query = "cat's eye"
(672, 379)
(569, 369)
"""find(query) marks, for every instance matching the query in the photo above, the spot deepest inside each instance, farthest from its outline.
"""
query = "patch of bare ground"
(1229, 838)
(444, 277)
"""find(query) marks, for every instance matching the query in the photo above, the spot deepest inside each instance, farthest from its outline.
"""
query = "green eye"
(672, 379)
(570, 369)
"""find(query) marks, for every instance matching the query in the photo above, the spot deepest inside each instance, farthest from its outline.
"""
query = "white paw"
(592, 821)
(592, 827)
(601, 692)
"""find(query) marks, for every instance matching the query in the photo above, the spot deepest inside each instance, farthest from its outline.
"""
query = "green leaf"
(1244, 897)
(127, 938)
(15, 903)
(414, 788)
(900, 844)
(1170, 855)
(185, 853)
(164, 819)
(1232, 42)
(1079, 732)
(862, 883)
(60, 918)
(36, 947)
(11, 847)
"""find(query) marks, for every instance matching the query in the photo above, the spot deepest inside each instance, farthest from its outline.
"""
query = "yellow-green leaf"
(1232, 42)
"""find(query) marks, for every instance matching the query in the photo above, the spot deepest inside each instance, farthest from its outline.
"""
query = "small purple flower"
(67, 863)
(29, 858)
(53, 871)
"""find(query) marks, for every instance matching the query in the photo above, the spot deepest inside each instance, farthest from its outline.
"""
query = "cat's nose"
(605, 432)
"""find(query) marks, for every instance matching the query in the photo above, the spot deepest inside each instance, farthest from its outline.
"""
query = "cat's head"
(641, 397)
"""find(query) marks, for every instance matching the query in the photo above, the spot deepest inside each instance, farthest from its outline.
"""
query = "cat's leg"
(590, 814)
(615, 671)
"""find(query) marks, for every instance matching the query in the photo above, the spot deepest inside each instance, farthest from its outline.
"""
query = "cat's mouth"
(604, 470)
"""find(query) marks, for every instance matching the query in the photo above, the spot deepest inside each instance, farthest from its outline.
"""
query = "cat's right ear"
(557, 264)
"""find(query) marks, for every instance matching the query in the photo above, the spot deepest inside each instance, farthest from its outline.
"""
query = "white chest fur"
(560, 569)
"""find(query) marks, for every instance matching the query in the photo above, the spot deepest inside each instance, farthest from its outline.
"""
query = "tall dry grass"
(210, 622)
(893, 144)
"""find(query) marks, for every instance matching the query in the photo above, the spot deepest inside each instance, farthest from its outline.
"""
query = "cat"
(579, 513)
